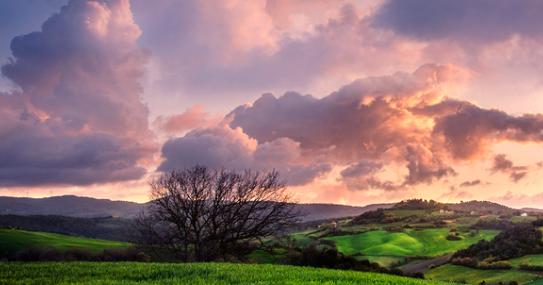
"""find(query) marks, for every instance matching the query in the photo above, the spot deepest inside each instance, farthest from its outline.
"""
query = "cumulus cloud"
(462, 20)
(400, 119)
(226, 147)
(78, 118)
(367, 119)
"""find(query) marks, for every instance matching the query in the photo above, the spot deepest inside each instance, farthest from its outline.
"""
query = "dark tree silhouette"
(203, 214)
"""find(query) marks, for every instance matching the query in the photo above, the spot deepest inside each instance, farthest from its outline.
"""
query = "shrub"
(494, 265)
(464, 261)
(453, 237)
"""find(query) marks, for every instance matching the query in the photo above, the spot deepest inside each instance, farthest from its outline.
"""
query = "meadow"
(12, 240)
(427, 242)
(188, 273)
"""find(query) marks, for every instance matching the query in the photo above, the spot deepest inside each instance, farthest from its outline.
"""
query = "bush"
(494, 265)
(453, 237)
(464, 261)
(493, 224)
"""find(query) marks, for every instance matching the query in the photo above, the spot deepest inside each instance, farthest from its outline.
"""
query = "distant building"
(524, 215)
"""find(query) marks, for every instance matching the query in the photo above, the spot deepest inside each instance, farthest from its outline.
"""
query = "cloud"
(402, 119)
(192, 118)
(456, 194)
(363, 175)
(504, 165)
(461, 20)
(367, 119)
(77, 118)
(470, 183)
(257, 46)
(470, 129)
(226, 147)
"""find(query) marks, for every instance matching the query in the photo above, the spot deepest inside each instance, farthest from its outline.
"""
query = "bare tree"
(202, 214)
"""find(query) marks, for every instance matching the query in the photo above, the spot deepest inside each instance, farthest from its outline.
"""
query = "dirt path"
(424, 264)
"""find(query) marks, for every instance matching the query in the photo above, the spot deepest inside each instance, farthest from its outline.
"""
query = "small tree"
(202, 214)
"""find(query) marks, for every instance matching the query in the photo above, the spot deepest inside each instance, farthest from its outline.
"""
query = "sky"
(352, 101)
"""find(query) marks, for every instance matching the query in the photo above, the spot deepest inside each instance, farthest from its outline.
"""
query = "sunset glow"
(352, 101)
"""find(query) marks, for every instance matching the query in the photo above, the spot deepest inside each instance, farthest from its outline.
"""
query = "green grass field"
(15, 240)
(461, 274)
(536, 259)
(427, 242)
(195, 273)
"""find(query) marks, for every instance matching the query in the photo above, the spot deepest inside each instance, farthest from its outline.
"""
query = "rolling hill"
(69, 205)
(12, 241)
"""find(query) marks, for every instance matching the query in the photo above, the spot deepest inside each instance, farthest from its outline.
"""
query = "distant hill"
(101, 228)
(481, 207)
(312, 212)
(86, 207)
(533, 210)
(71, 206)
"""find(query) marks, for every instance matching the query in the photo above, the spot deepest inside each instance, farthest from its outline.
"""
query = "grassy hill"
(427, 242)
(14, 240)
(202, 273)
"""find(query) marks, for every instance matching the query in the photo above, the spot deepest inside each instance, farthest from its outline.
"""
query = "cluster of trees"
(492, 224)
(76, 254)
(379, 215)
(419, 204)
(519, 240)
(203, 214)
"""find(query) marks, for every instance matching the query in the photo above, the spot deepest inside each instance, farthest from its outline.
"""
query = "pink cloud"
(77, 118)
(194, 117)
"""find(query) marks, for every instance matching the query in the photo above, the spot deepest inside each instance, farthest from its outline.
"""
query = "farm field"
(12, 240)
(461, 274)
(191, 273)
(427, 242)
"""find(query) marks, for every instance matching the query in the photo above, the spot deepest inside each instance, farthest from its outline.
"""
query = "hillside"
(86, 207)
(12, 241)
(332, 211)
(480, 207)
(202, 273)
(72, 206)
(101, 228)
